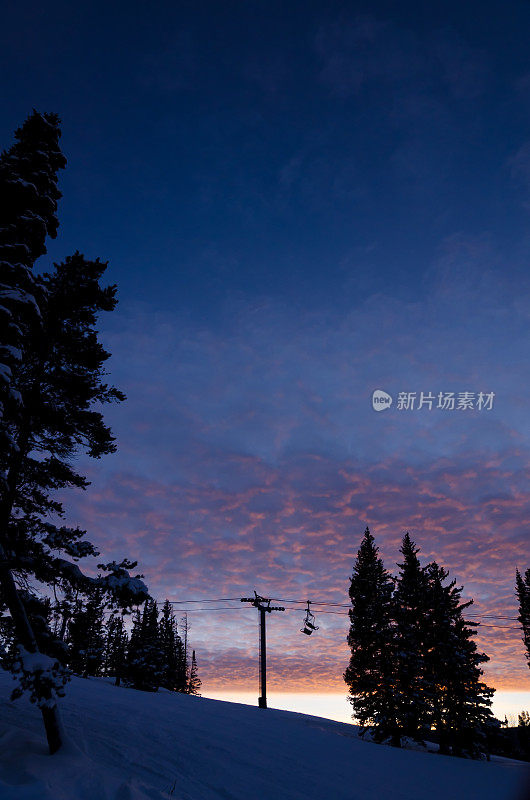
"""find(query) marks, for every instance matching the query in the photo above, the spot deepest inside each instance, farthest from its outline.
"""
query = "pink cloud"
(292, 532)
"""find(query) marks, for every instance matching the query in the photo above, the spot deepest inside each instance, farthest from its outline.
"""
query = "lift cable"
(313, 603)
(345, 614)
(217, 600)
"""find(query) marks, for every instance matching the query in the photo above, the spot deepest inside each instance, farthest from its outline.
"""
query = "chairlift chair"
(309, 622)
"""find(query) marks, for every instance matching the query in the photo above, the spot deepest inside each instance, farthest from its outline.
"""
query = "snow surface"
(128, 745)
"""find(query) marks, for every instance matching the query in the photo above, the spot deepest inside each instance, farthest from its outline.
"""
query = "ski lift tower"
(263, 604)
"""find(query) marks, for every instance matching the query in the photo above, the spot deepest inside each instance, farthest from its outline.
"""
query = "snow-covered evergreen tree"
(28, 206)
(59, 381)
(28, 215)
(370, 673)
(51, 376)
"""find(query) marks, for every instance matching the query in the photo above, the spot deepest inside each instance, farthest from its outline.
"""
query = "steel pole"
(262, 701)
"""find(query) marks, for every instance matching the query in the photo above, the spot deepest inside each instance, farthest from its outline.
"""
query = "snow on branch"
(126, 590)
(43, 677)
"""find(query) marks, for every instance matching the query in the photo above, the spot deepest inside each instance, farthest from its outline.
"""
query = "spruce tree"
(28, 206)
(468, 698)
(115, 648)
(171, 648)
(522, 588)
(51, 376)
(145, 660)
(439, 649)
(371, 638)
(133, 665)
(181, 666)
(194, 683)
(410, 618)
(460, 703)
(59, 381)
(76, 640)
(153, 654)
(86, 637)
(184, 667)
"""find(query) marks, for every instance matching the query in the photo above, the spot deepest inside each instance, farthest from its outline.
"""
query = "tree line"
(153, 655)
(91, 640)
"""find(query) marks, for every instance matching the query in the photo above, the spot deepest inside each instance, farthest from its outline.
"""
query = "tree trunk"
(25, 636)
(52, 726)
(23, 631)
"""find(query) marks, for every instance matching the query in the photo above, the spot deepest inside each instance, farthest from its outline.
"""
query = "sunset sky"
(300, 203)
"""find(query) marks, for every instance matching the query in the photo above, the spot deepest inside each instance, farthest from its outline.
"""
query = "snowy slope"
(127, 745)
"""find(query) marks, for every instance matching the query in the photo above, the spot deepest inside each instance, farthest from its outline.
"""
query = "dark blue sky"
(313, 152)
(300, 203)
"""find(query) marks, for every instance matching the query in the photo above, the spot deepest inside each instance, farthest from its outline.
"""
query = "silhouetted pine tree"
(414, 662)
(184, 666)
(181, 680)
(459, 701)
(133, 664)
(439, 650)
(522, 587)
(145, 662)
(194, 683)
(152, 645)
(171, 648)
(87, 637)
(115, 648)
(409, 609)
(370, 673)
(468, 698)
(76, 640)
